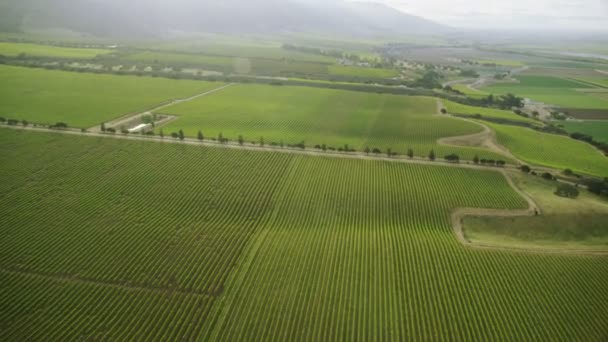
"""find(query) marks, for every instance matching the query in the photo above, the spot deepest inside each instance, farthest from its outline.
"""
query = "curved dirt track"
(484, 139)
(457, 216)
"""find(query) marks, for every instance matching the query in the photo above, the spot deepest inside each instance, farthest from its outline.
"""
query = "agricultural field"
(565, 223)
(15, 49)
(552, 90)
(597, 129)
(560, 152)
(255, 245)
(324, 116)
(490, 113)
(239, 65)
(169, 59)
(84, 100)
(361, 72)
(502, 62)
(468, 91)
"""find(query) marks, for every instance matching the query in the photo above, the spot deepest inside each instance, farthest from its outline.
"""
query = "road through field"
(129, 117)
(486, 138)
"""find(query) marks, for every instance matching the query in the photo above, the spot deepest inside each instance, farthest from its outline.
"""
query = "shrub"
(566, 190)
(548, 176)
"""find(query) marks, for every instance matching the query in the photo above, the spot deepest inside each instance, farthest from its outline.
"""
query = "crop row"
(120, 240)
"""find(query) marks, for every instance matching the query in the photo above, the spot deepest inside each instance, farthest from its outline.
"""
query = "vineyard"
(484, 112)
(14, 49)
(319, 116)
(109, 239)
(84, 100)
(552, 150)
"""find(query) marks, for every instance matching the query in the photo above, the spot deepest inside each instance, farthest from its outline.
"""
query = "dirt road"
(125, 119)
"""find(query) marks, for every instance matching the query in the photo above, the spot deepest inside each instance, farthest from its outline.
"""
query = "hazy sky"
(537, 14)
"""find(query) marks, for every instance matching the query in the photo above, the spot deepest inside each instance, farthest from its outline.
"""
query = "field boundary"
(131, 116)
(457, 216)
(117, 285)
(486, 138)
(235, 145)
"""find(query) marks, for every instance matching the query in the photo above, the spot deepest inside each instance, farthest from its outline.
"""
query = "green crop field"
(240, 65)
(167, 58)
(502, 62)
(84, 100)
(491, 113)
(361, 72)
(470, 92)
(565, 223)
(323, 116)
(552, 150)
(105, 239)
(15, 49)
(552, 90)
(597, 129)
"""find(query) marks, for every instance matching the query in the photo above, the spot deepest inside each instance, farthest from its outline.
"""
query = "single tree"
(200, 135)
(324, 147)
(103, 126)
(525, 169)
(432, 155)
(174, 135)
(476, 159)
(410, 153)
(181, 135)
(162, 134)
(241, 140)
(376, 151)
(568, 172)
(389, 152)
(367, 150)
(444, 111)
(262, 141)
(220, 137)
(24, 123)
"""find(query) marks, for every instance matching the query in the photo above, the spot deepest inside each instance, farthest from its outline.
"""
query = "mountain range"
(111, 18)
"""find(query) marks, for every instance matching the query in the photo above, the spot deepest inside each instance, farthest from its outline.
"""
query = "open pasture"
(238, 65)
(565, 223)
(15, 49)
(560, 152)
(361, 72)
(173, 242)
(319, 116)
(468, 91)
(561, 92)
(84, 100)
(490, 113)
(597, 129)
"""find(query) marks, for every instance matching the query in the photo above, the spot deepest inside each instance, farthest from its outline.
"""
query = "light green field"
(503, 62)
(493, 113)
(474, 93)
(361, 72)
(564, 224)
(552, 150)
(239, 65)
(597, 129)
(139, 240)
(221, 45)
(551, 90)
(84, 100)
(323, 116)
(166, 58)
(15, 49)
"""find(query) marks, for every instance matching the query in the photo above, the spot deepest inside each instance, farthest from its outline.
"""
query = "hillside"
(161, 18)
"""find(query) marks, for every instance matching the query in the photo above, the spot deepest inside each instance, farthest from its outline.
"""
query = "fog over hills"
(162, 17)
